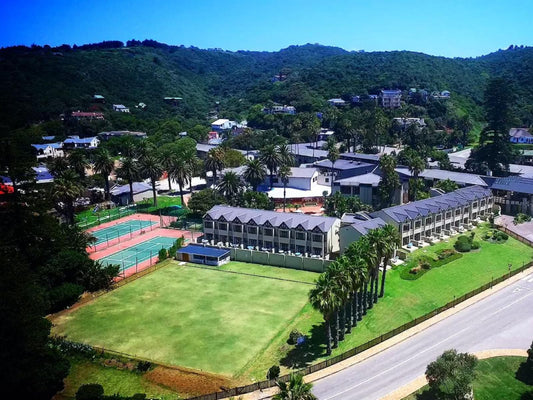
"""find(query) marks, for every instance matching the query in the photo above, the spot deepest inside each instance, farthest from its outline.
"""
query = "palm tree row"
(350, 285)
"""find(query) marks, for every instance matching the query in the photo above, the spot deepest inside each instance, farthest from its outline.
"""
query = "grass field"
(495, 380)
(193, 317)
(87, 219)
(113, 380)
(146, 206)
(404, 300)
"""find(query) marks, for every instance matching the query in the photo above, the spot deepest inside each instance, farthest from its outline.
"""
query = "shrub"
(144, 366)
(425, 265)
(463, 244)
(440, 263)
(293, 336)
(273, 372)
(501, 236)
(521, 218)
(91, 391)
(445, 253)
(475, 245)
(163, 254)
(64, 296)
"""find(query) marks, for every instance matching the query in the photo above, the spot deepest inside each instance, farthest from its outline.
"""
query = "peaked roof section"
(364, 227)
(514, 184)
(260, 217)
(420, 208)
(440, 174)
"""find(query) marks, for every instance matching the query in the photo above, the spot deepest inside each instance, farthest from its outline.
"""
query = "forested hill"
(39, 83)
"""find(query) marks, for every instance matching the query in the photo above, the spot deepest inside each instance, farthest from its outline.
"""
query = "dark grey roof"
(260, 217)
(364, 226)
(365, 179)
(513, 184)
(458, 177)
(420, 208)
(344, 164)
(138, 187)
(361, 156)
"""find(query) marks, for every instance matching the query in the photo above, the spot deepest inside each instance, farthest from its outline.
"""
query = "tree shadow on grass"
(305, 354)
(427, 394)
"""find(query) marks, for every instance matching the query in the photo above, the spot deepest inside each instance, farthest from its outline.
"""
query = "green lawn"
(113, 380)
(198, 318)
(404, 300)
(87, 219)
(163, 202)
(495, 380)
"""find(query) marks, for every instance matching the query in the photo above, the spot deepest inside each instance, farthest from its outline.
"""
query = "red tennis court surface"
(141, 237)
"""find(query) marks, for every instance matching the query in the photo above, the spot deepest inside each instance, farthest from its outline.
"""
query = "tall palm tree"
(323, 299)
(57, 166)
(169, 157)
(152, 169)
(339, 275)
(375, 241)
(416, 166)
(285, 154)
(179, 171)
(363, 249)
(357, 273)
(230, 187)
(129, 170)
(215, 162)
(284, 174)
(66, 189)
(271, 158)
(254, 173)
(333, 156)
(77, 159)
(295, 389)
(104, 164)
(392, 241)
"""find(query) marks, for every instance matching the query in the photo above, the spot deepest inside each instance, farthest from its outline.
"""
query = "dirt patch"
(187, 382)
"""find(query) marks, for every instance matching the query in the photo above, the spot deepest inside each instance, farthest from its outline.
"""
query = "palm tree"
(104, 164)
(66, 189)
(333, 156)
(284, 174)
(339, 275)
(363, 249)
(285, 154)
(392, 241)
(271, 158)
(357, 273)
(57, 166)
(375, 241)
(77, 159)
(129, 170)
(230, 187)
(295, 389)
(416, 166)
(215, 162)
(323, 299)
(152, 169)
(169, 157)
(179, 171)
(254, 173)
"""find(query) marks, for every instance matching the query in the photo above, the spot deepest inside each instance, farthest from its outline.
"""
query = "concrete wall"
(280, 260)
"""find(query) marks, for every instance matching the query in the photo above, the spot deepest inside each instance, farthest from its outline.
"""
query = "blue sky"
(452, 28)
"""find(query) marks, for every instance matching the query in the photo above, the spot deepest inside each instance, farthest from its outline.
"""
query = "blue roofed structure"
(201, 254)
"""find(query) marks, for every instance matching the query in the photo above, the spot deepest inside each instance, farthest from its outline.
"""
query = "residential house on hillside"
(272, 231)
(303, 183)
(120, 108)
(404, 123)
(49, 150)
(277, 109)
(222, 125)
(325, 134)
(98, 98)
(75, 142)
(87, 115)
(305, 153)
(108, 135)
(391, 98)
(520, 135)
(337, 102)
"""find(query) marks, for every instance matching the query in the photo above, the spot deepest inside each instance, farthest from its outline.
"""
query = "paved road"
(503, 320)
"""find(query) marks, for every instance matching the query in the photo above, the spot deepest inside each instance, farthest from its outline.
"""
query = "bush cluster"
(144, 366)
(520, 218)
(425, 263)
(463, 244)
(71, 348)
(294, 336)
(495, 236)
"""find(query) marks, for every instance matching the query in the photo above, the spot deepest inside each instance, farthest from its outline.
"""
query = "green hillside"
(40, 83)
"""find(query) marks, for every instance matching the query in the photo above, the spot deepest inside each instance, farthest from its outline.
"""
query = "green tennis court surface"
(118, 230)
(138, 253)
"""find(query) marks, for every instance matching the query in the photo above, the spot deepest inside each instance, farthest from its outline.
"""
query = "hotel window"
(252, 230)
(237, 228)
(222, 226)
(458, 212)
(474, 204)
(283, 234)
(267, 231)
(300, 235)
(208, 224)
(438, 218)
(317, 238)
(448, 214)
(428, 221)
(417, 223)
(482, 203)
(406, 227)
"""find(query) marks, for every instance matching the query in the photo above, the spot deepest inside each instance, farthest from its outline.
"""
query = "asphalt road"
(503, 320)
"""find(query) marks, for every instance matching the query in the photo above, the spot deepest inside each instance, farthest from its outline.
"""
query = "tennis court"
(138, 253)
(121, 229)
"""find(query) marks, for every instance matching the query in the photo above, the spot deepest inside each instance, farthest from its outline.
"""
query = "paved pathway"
(503, 320)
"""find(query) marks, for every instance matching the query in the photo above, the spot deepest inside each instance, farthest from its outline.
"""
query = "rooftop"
(344, 164)
(458, 177)
(366, 179)
(514, 184)
(364, 226)
(138, 187)
(420, 208)
(276, 219)
(200, 250)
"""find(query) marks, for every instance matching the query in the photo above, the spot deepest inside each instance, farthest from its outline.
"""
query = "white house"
(121, 108)
(520, 135)
(222, 124)
(302, 183)
(49, 150)
(75, 142)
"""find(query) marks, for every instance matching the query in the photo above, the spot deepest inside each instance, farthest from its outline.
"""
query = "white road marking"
(424, 351)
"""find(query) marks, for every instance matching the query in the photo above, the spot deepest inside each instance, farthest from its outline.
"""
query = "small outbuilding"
(200, 254)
